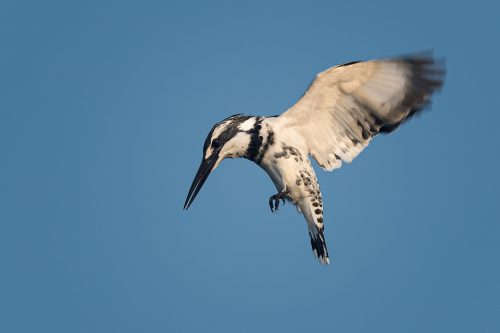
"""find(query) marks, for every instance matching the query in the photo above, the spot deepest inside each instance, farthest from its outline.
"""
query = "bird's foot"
(274, 200)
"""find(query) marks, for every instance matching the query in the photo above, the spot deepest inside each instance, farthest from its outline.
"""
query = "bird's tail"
(318, 245)
(312, 208)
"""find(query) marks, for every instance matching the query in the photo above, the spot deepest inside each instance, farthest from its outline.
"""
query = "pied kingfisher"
(341, 111)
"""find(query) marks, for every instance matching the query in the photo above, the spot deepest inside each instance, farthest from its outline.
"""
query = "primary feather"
(347, 105)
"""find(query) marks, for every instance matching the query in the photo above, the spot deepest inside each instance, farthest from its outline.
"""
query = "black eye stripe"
(216, 143)
(230, 131)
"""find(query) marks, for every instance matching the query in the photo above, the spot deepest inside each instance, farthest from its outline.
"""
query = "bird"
(342, 110)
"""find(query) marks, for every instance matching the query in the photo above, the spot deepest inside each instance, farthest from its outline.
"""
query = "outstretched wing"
(347, 105)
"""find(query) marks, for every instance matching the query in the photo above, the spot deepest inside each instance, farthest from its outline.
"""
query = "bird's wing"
(345, 106)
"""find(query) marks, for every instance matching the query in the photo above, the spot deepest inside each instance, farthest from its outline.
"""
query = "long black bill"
(204, 170)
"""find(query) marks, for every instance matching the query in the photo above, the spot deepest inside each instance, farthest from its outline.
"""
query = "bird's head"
(228, 138)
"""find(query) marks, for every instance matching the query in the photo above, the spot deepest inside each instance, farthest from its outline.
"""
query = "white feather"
(346, 105)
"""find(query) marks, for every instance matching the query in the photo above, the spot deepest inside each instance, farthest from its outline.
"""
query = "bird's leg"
(274, 200)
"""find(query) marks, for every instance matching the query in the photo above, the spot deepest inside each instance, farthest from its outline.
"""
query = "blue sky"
(104, 107)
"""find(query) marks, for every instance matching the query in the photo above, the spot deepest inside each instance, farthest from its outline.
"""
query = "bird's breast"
(285, 165)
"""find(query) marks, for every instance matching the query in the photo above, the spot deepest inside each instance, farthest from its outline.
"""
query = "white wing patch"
(346, 106)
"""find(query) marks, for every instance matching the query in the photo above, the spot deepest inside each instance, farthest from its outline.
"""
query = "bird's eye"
(216, 143)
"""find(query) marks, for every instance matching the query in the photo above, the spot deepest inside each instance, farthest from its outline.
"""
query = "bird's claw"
(274, 201)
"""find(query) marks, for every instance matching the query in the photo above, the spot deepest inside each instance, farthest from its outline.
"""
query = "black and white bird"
(337, 117)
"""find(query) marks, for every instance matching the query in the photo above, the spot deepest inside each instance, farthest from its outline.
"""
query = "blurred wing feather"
(345, 106)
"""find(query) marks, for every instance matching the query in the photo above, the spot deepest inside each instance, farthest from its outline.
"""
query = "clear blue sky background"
(104, 107)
